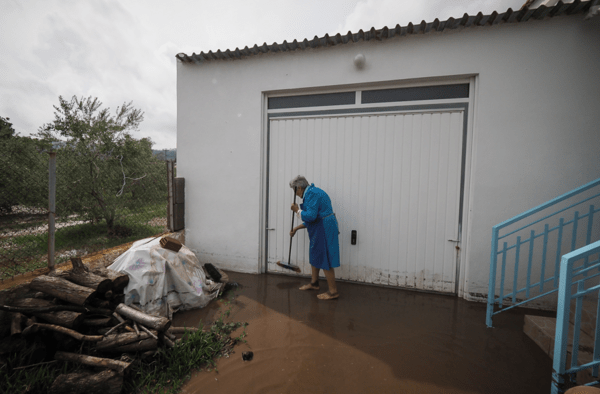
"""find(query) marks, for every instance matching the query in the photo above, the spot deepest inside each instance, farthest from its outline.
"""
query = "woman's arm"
(293, 232)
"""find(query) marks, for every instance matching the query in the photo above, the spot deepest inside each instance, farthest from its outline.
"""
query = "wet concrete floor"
(370, 340)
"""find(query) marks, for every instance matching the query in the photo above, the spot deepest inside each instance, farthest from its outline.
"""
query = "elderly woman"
(318, 218)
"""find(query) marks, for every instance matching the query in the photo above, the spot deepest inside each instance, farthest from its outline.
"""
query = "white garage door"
(393, 178)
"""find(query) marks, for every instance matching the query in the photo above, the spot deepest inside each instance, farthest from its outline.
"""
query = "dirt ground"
(370, 340)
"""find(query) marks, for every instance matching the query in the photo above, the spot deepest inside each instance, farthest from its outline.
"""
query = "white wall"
(536, 130)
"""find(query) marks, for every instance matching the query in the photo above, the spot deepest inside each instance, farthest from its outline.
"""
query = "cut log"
(121, 320)
(62, 289)
(115, 365)
(117, 340)
(16, 324)
(157, 323)
(182, 330)
(81, 275)
(12, 345)
(97, 322)
(140, 346)
(55, 308)
(71, 333)
(119, 279)
(149, 332)
(62, 318)
(168, 342)
(170, 244)
(114, 328)
(105, 382)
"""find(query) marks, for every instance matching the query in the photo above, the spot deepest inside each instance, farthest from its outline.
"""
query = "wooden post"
(171, 199)
(51, 207)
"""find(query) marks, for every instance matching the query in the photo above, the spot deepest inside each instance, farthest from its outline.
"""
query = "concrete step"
(542, 331)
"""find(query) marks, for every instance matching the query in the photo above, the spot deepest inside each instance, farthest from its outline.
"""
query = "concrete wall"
(535, 129)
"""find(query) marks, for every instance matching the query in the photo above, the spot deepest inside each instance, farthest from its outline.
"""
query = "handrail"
(548, 204)
(568, 290)
(521, 254)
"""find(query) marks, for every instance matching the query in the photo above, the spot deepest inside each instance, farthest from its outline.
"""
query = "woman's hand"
(293, 232)
(295, 207)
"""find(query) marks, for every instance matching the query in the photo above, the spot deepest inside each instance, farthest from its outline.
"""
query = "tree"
(6, 129)
(24, 175)
(100, 166)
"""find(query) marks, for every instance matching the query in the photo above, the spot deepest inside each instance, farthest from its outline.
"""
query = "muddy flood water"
(370, 340)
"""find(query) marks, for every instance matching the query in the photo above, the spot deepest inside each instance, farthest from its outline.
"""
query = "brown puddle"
(370, 340)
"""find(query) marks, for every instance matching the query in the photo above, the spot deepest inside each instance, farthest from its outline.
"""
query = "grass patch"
(169, 370)
(36, 379)
(25, 253)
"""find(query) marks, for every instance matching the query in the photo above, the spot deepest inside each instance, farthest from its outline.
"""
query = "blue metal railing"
(534, 266)
(576, 282)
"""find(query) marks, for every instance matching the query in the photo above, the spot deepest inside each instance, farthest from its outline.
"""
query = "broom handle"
(291, 237)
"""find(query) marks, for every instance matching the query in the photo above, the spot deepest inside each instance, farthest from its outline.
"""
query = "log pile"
(79, 316)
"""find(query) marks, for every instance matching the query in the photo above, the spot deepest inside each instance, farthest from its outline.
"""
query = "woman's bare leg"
(315, 274)
(330, 275)
(314, 279)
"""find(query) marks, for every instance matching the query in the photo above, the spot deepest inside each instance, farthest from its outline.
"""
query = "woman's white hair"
(299, 182)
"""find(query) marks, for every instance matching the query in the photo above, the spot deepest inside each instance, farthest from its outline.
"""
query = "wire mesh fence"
(102, 200)
(23, 207)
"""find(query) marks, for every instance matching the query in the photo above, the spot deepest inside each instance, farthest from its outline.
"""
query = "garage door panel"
(394, 178)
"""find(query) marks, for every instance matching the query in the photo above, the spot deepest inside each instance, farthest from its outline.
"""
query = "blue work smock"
(321, 224)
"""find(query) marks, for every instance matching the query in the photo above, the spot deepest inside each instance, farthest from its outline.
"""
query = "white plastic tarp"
(162, 281)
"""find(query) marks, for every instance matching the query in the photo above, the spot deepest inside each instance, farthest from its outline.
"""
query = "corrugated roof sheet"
(495, 18)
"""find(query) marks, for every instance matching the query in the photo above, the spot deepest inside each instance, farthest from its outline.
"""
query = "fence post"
(51, 207)
(171, 198)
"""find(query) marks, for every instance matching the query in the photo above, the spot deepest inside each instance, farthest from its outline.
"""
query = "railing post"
(51, 207)
(562, 326)
(492, 283)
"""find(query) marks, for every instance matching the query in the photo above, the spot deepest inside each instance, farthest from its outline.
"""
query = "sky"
(122, 51)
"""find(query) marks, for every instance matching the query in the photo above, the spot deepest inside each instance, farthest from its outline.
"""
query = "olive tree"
(102, 171)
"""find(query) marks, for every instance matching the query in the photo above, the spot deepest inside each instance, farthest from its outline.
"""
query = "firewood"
(97, 322)
(140, 346)
(157, 323)
(149, 332)
(114, 328)
(72, 333)
(170, 244)
(121, 320)
(182, 330)
(135, 327)
(168, 342)
(119, 279)
(116, 340)
(12, 345)
(62, 318)
(81, 275)
(118, 299)
(62, 289)
(16, 324)
(119, 366)
(170, 336)
(55, 308)
(105, 382)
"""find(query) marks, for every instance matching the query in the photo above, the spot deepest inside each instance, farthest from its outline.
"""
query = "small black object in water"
(212, 271)
(247, 356)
